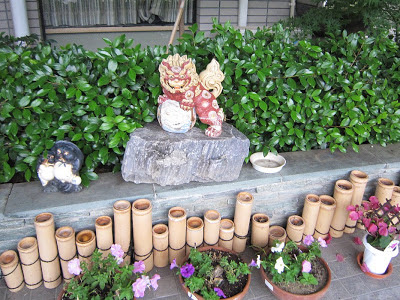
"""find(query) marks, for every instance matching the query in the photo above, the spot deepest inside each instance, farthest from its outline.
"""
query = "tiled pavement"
(348, 281)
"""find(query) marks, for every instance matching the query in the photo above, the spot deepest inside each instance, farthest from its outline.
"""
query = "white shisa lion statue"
(187, 93)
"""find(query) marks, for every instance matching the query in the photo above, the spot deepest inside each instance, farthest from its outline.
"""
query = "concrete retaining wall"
(278, 195)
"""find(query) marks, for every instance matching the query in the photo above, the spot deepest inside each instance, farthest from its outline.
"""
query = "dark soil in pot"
(320, 273)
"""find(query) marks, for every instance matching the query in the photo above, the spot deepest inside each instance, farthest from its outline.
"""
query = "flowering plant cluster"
(377, 219)
(107, 278)
(287, 263)
(205, 273)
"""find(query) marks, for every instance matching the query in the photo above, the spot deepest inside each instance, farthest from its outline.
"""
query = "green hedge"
(284, 95)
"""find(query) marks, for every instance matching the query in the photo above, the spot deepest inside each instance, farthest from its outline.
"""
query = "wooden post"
(177, 24)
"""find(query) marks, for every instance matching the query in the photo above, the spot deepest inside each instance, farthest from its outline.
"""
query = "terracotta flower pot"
(239, 296)
(284, 295)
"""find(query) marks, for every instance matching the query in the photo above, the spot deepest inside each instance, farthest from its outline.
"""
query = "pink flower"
(383, 231)
(374, 202)
(117, 252)
(392, 229)
(328, 239)
(173, 264)
(187, 270)
(140, 285)
(339, 257)
(153, 281)
(366, 222)
(367, 205)
(354, 215)
(138, 267)
(219, 292)
(365, 268)
(306, 266)
(252, 263)
(74, 266)
(308, 240)
(322, 242)
(357, 240)
(372, 229)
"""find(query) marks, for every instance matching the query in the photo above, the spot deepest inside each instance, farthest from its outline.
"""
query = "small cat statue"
(59, 170)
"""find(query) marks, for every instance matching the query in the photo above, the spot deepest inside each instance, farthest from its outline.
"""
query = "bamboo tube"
(177, 234)
(44, 225)
(212, 222)
(104, 235)
(259, 230)
(343, 193)
(29, 256)
(276, 233)
(395, 196)
(122, 227)
(160, 245)
(295, 229)
(244, 203)
(11, 270)
(85, 244)
(194, 233)
(325, 215)
(226, 231)
(142, 232)
(310, 213)
(359, 180)
(384, 190)
(65, 237)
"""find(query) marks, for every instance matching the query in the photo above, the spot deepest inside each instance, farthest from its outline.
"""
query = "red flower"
(328, 239)
(357, 240)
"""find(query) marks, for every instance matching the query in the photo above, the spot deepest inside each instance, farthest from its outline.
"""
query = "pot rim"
(375, 251)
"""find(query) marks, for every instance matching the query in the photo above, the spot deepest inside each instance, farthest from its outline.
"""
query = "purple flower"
(139, 286)
(173, 264)
(138, 267)
(308, 240)
(153, 281)
(74, 266)
(117, 252)
(219, 292)
(322, 242)
(306, 266)
(252, 263)
(187, 270)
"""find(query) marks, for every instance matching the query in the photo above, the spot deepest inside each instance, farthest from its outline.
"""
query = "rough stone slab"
(153, 155)
(5, 190)
(27, 199)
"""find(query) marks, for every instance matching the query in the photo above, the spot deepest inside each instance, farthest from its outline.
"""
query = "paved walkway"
(348, 281)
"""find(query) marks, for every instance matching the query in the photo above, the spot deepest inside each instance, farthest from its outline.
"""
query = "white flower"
(278, 247)
(258, 261)
(279, 265)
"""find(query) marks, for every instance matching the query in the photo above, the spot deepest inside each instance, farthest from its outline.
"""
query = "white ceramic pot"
(376, 260)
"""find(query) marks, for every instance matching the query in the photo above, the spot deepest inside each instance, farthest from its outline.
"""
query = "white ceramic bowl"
(267, 164)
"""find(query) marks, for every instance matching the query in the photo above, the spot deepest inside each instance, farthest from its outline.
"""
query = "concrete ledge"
(278, 195)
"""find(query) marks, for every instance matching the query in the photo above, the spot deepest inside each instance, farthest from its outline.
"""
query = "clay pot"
(239, 296)
(276, 233)
(259, 230)
(389, 270)
(294, 229)
(284, 295)
(11, 271)
(384, 190)
(29, 256)
(359, 180)
(325, 215)
(226, 231)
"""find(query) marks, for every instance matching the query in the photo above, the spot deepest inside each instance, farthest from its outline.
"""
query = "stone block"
(153, 155)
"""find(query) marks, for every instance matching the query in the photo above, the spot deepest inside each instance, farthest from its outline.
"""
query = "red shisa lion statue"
(187, 93)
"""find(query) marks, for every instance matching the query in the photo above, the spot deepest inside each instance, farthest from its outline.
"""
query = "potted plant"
(296, 272)
(213, 272)
(107, 278)
(380, 221)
